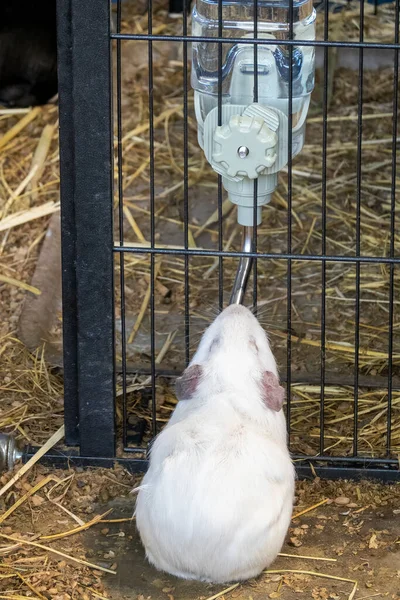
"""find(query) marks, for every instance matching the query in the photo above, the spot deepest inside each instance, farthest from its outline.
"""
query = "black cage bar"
(91, 151)
(84, 66)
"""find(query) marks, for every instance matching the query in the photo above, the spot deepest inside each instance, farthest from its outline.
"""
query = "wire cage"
(150, 247)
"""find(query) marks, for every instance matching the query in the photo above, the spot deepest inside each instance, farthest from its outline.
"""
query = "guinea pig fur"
(216, 502)
(28, 52)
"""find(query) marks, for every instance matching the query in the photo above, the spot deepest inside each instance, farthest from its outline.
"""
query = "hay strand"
(310, 508)
(28, 494)
(20, 284)
(16, 129)
(227, 206)
(144, 306)
(14, 195)
(26, 216)
(39, 158)
(223, 592)
(132, 222)
(307, 557)
(317, 574)
(64, 534)
(31, 587)
(79, 561)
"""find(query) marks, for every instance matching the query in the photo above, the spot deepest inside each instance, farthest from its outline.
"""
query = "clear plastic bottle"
(242, 105)
(237, 74)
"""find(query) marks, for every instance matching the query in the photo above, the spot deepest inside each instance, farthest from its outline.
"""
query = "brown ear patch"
(273, 394)
(186, 385)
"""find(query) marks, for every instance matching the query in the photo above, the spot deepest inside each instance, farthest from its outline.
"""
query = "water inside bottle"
(273, 67)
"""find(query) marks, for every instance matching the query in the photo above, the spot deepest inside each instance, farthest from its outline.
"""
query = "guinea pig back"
(216, 501)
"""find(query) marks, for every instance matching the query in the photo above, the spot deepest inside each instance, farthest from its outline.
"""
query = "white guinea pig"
(216, 502)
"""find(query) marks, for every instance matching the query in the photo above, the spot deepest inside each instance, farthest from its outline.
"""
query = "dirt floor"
(347, 547)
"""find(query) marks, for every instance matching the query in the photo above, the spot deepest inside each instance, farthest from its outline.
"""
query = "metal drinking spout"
(244, 269)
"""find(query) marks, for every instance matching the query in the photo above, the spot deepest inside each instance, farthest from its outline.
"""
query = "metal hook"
(9, 452)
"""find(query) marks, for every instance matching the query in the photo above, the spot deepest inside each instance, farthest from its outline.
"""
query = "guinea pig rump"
(218, 518)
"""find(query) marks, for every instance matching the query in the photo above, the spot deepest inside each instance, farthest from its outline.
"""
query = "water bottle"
(238, 64)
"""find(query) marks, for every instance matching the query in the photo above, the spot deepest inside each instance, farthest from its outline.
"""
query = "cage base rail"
(383, 470)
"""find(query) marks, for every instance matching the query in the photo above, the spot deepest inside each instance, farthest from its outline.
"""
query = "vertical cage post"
(68, 236)
(86, 159)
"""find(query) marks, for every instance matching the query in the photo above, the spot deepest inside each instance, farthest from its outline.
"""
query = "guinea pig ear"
(186, 385)
(273, 394)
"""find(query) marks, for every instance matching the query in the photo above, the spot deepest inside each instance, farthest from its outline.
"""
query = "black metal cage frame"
(88, 252)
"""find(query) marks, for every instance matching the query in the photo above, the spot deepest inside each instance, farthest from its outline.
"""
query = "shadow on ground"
(365, 546)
